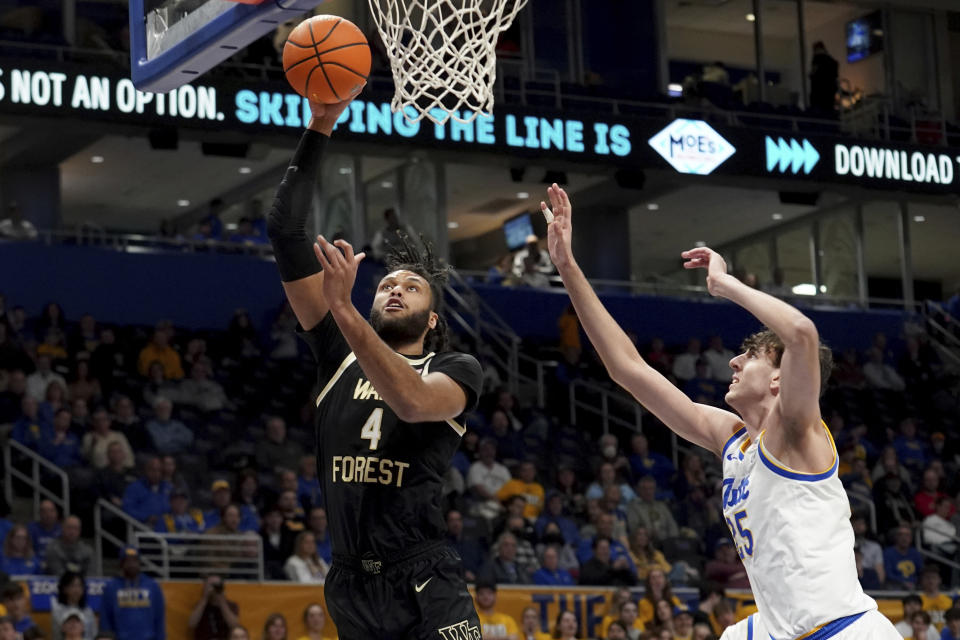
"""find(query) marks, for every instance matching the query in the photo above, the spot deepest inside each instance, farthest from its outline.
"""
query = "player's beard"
(398, 331)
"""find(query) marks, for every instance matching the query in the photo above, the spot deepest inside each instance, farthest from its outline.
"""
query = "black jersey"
(381, 476)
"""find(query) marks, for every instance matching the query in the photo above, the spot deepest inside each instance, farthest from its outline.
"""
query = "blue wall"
(194, 290)
(534, 314)
(201, 290)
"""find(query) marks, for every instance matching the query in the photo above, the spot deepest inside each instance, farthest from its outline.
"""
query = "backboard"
(172, 42)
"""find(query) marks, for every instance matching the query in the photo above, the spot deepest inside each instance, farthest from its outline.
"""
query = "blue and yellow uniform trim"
(823, 632)
(774, 465)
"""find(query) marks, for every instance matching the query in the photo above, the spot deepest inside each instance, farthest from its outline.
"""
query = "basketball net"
(443, 54)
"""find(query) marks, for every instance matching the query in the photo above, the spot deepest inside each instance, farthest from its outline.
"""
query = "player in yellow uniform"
(783, 502)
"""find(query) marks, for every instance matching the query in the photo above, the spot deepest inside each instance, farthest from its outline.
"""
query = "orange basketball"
(326, 58)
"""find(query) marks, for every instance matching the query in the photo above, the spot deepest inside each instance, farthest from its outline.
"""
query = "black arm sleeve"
(287, 220)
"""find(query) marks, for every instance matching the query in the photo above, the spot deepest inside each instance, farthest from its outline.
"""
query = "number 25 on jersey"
(743, 537)
(371, 428)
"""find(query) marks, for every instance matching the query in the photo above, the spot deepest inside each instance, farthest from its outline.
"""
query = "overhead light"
(386, 184)
(777, 216)
(522, 195)
(919, 218)
(751, 17)
(453, 224)
(805, 289)
(344, 171)
(675, 89)
(183, 203)
(699, 243)
(823, 288)
(96, 159)
(653, 206)
(244, 170)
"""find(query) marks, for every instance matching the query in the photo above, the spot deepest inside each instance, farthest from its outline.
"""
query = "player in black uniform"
(389, 419)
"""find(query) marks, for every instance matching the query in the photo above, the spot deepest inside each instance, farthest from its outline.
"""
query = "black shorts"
(421, 595)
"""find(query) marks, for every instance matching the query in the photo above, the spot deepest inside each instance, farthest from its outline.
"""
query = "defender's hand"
(706, 258)
(560, 228)
(325, 115)
(339, 270)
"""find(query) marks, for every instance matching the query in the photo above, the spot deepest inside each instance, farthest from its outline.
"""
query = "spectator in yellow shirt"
(657, 588)
(530, 626)
(525, 485)
(620, 597)
(645, 556)
(494, 625)
(935, 602)
(159, 350)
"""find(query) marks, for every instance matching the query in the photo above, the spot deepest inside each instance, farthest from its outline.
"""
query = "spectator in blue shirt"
(29, 430)
(911, 450)
(553, 512)
(469, 548)
(62, 447)
(169, 436)
(901, 561)
(644, 462)
(703, 388)
(509, 442)
(149, 497)
(317, 523)
(605, 530)
(181, 518)
(220, 493)
(551, 574)
(18, 556)
(951, 630)
(44, 529)
(249, 501)
(606, 477)
(15, 600)
(308, 485)
(132, 606)
(6, 524)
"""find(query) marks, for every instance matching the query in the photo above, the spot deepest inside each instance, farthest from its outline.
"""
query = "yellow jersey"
(937, 607)
(607, 620)
(498, 626)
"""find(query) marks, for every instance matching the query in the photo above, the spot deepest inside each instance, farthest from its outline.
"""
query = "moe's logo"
(692, 146)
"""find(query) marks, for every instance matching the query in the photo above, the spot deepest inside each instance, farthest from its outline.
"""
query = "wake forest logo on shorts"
(460, 631)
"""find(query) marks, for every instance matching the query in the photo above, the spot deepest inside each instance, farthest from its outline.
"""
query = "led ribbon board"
(173, 43)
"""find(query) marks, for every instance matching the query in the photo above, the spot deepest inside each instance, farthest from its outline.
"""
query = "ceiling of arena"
(118, 181)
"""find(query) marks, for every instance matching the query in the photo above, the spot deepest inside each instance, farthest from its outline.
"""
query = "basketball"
(326, 58)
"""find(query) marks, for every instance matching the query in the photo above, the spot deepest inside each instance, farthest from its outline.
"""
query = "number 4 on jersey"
(371, 428)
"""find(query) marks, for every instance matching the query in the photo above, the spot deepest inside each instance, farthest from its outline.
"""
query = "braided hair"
(406, 254)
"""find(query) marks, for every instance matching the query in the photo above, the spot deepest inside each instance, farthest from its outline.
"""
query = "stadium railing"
(189, 555)
(101, 534)
(930, 552)
(39, 486)
(494, 337)
(944, 332)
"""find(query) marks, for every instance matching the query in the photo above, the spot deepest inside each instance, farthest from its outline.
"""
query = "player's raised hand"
(706, 258)
(324, 116)
(559, 226)
(339, 270)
